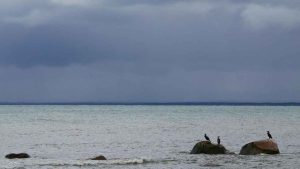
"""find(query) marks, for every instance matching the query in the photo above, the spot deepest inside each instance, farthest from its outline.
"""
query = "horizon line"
(159, 103)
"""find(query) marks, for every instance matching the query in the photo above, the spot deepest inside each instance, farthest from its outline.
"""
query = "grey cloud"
(262, 17)
(79, 83)
(178, 31)
(113, 50)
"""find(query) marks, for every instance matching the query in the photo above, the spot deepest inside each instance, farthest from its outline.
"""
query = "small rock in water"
(20, 155)
(268, 146)
(206, 147)
(101, 157)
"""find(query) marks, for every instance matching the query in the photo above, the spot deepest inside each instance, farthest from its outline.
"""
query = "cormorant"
(219, 140)
(269, 135)
(206, 137)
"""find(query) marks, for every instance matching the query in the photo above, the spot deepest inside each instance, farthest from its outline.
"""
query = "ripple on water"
(165, 134)
(44, 163)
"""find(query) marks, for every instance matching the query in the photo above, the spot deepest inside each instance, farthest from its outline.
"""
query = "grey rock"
(14, 156)
(101, 157)
(206, 147)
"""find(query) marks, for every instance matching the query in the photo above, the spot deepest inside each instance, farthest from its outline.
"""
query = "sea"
(145, 136)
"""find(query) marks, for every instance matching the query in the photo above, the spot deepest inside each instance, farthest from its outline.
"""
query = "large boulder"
(20, 155)
(268, 146)
(206, 147)
(101, 157)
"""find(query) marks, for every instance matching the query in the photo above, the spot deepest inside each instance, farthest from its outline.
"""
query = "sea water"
(157, 137)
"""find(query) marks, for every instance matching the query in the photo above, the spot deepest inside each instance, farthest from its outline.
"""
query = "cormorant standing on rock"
(269, 135)
(206, 137)
(219, 140)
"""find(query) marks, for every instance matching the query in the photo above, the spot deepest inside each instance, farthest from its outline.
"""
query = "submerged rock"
(206, 147)
(101, 157)
(268, 146)
(20, 155)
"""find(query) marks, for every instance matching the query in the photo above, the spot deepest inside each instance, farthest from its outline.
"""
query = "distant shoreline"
(160, 103)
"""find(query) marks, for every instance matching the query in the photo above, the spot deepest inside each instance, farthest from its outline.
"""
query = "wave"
(80, 163)
(106, 162)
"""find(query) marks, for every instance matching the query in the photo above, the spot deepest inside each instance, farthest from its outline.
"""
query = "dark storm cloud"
(150, 46)
(62, 32)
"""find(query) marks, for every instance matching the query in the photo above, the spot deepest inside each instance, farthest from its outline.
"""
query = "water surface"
(145, 136)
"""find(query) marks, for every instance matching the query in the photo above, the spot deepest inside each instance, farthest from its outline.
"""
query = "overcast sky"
(149, 50)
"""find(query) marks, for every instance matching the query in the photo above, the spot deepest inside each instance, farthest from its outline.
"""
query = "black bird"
(206, 137)
(219, 140)
(269, 135)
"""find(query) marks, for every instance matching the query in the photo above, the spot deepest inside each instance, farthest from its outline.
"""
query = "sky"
(149, 51)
